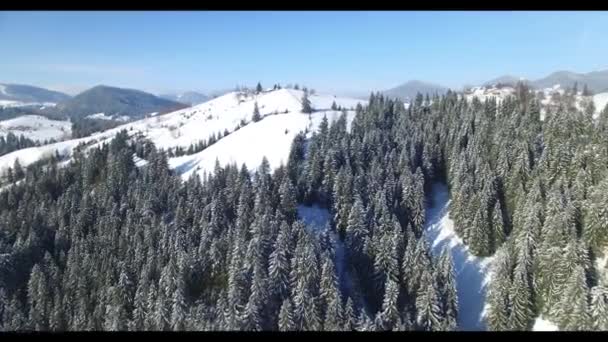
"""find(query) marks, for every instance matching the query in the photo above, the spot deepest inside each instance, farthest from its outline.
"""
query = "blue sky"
(341, 52)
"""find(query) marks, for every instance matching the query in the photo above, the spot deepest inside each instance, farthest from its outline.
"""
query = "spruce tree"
(306, 105)
(256, 113)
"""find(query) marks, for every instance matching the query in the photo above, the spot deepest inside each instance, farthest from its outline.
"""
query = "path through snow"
(472, 273)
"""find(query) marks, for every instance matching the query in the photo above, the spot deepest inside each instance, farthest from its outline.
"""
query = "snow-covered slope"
(13, 103)
(36, 127)
(483, 93)
(270, 137)
(472, 273)
(190, 125)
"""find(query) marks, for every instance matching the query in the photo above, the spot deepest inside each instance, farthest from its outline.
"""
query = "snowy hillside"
(485, 92)
(280, 111)
(36, 127)
(12, 103)
(270, 137)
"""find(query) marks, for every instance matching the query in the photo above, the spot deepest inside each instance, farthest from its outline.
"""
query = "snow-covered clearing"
(36, 127)
(472, 273)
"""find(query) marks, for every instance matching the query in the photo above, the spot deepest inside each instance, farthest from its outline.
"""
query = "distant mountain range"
(30, 94)
(190, 98)
(408, 90)
(506, 79)
(115, 102)
(597, 82)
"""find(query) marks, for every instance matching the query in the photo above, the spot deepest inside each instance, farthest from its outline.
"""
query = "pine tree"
(427, 304)
(599, 308)
(256, 113)
(258, 88)
(286, 321)
(497, 318)
(573, 311)
(448, 292)
(521, 300)
(390, 311)
(306, 105)
(330, 297)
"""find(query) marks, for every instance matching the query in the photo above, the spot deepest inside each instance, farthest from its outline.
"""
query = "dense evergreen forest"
(100, 244)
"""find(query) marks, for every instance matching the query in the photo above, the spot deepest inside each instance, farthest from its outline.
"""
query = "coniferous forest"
(102, 244)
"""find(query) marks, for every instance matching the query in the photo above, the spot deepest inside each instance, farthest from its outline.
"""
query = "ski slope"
(472, 273)
(280, 110)
(36, 127)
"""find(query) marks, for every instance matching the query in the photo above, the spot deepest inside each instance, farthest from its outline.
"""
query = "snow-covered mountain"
(36, 127)
(407, 91)
(281, 120)
(190, 98)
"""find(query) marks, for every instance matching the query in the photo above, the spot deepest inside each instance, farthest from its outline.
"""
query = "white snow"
(541, 324)
(189, 125)
(139, 162)
(36, 127)
(13, 103)
(270, 138)
(484, 93)
(600, 101)
(103, 116)
(471, 272)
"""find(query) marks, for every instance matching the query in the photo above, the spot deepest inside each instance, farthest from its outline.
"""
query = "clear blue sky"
(338, 52)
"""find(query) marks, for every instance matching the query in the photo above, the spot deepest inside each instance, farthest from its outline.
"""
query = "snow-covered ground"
(317, 220)
(471, 272)
(103, 116)
(190, 125)
(36, 127)
(270, 138)
(600, 101)
(13, 103)
(484, 93)
(541, 324)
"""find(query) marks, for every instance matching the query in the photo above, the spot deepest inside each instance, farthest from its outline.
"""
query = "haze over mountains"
(597, 82)
(116, 102)
(29, 94)
(191, 98)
